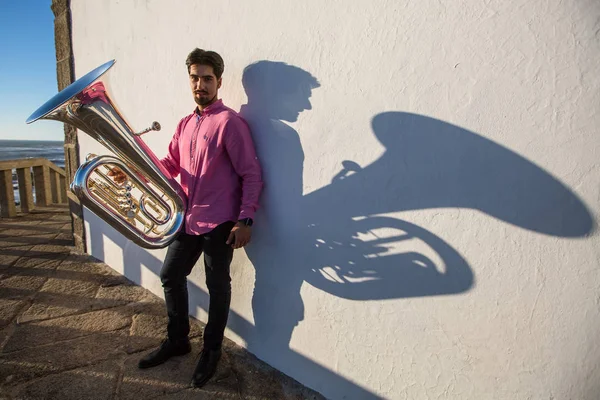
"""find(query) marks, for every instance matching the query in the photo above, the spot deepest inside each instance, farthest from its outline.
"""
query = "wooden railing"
(49, 181)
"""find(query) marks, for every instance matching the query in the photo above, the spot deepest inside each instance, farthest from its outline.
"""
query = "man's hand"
(240, 236)
(118, 175)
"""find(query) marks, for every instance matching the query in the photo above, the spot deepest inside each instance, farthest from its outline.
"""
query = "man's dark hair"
(203, 57)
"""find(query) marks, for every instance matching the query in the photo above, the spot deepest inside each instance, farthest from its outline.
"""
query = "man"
(213, 151)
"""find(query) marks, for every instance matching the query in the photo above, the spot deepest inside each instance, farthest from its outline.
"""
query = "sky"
(27, 69)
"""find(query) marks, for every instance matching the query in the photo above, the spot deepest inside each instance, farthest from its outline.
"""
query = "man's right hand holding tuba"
(118, 175)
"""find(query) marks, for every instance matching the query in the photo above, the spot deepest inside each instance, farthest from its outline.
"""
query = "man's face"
(296, 102)
(287, 105)
(205, 85)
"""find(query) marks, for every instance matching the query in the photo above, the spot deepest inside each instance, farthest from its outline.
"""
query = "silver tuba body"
(149, 207)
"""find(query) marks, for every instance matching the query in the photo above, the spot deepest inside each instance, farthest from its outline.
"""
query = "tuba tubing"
(86, 105)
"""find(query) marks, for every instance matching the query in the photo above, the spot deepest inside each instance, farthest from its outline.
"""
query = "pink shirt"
(220, 173)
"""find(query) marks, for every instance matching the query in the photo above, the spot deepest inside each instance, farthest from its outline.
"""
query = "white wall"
(457, 258)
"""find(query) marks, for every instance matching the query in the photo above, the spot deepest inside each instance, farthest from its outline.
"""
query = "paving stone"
(60, 218)
(41, 260)
(29, 228)
(149, 326)
(122, 293)
(5, 334)
(150, 305)
(71, 287)
(248, 372)
(196, 328)
(259, 380)
(59, 221)
(59, 329)
(205, 393)
(21, 366)
(61, 297)
(20, 287)
(64, 239)
(9, 309)
(7, 241)
(82, 267)
(225, 383)
(93, 382)
(174, 376)
(4, 393)
(147, 331)
(9, 247)
(10, 255)
(48, 306)
(29, 271)
(50, 248)
(19, 220)
(75, 328)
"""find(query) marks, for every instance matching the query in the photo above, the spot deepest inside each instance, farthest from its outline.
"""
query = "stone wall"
(65, 75)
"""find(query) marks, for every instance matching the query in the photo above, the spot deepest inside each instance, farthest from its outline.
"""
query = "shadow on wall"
(431, 164)
(332, 238)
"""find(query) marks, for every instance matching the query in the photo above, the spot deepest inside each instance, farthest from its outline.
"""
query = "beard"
(204, 100)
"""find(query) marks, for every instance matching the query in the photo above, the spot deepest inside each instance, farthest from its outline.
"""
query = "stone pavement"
(72, 328)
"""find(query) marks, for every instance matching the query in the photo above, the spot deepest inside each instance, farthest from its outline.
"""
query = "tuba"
(148, 208)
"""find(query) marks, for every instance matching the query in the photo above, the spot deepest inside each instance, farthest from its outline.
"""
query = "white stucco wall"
(458, 257)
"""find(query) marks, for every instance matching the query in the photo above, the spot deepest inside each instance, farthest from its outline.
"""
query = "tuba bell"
(149, 206)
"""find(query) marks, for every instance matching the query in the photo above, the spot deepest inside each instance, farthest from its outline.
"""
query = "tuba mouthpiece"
(154, 127)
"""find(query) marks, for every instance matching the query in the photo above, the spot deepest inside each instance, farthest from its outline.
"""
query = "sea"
(18, 149)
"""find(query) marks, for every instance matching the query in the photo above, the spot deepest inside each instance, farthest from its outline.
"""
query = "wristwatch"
(246, 221)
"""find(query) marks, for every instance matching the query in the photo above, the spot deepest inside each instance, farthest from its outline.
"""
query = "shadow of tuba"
(149, 206)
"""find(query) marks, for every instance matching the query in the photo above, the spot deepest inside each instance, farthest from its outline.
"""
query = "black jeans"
(181, 257)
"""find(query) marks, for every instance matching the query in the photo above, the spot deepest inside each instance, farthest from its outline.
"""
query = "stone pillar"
(25, 189)
(7, 196)
(41, 181)
(65, 74)
(63, 189)
(55, 186)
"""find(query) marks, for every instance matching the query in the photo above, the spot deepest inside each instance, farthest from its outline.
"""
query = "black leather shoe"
(206, 368)
(166, 350)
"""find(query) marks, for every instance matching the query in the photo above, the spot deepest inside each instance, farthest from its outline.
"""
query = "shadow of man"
(296, 240)
(331, 238)
(277, 93)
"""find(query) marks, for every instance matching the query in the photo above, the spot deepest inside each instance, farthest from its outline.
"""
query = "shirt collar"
(214, 107)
